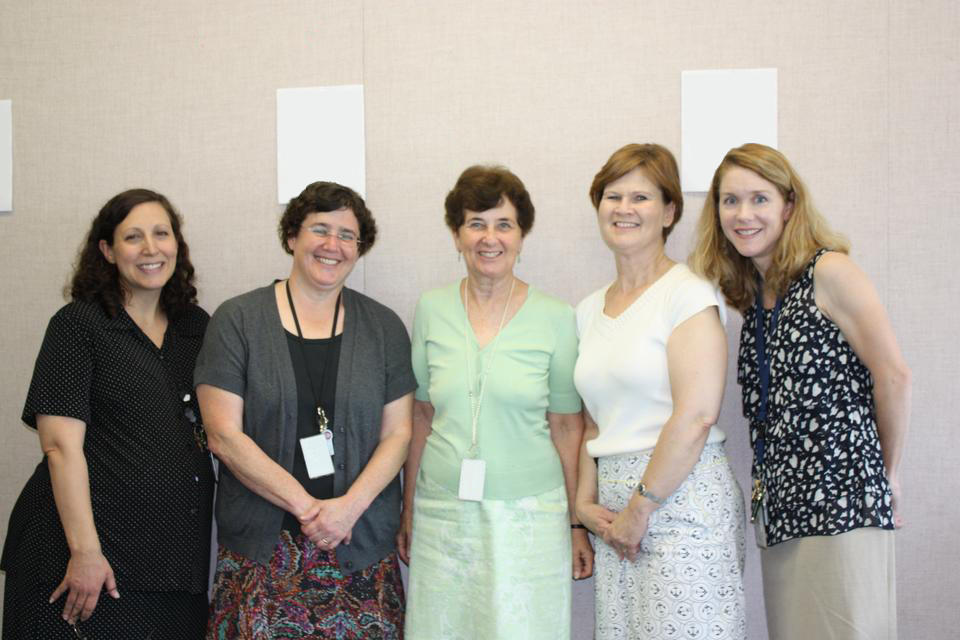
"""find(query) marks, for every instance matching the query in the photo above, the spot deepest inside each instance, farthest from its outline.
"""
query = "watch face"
(642, 490)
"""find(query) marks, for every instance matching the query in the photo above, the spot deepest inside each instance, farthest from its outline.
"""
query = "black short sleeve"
(63, 372)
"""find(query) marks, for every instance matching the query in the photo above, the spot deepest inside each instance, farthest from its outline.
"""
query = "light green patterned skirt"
(490, 570)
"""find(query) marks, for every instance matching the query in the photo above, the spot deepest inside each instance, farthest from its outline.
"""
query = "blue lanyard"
(763, 365)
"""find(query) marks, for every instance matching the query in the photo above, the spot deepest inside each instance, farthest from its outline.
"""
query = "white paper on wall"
(320, 137)
(6, 155)
(719, 110)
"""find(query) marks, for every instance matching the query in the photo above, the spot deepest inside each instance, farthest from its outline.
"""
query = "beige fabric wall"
(180, 96)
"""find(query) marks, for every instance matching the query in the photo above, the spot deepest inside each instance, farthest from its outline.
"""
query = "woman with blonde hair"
(827, 394)
(661, 497)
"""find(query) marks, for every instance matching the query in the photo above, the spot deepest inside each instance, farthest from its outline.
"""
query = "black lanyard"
(763, 367)
(321, 414)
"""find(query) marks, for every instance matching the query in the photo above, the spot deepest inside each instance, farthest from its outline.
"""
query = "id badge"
(316, 453)
(328, 434)
(760, 526)
(472, 472)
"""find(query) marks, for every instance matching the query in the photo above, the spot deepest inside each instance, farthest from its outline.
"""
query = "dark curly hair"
(321, 197)
(96, 280)
(484, 187)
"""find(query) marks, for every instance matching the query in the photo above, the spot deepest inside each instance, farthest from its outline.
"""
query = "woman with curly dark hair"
(121, 501)
(307, 389)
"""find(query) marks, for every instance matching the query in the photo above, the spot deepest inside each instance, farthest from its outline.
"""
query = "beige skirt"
(839, 587)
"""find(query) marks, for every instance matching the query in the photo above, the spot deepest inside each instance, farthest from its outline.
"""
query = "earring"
(458, 256)
(518, 258)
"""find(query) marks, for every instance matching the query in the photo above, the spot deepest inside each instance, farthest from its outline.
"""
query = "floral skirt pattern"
(489, 570)
(302, 594)
(687, 580)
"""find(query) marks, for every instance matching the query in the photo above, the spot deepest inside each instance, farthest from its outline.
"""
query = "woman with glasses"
(655, 484)
(110, 538)
(307, 393)
(496, 431)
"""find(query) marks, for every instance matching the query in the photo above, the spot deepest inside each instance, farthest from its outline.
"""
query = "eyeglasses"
(345, 236)
(199, 433)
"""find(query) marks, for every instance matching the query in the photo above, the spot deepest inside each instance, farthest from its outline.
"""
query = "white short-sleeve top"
(621, 370)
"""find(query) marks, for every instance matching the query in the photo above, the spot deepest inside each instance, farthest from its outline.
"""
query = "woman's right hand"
(405, 535)
(88, 573)
(896, 501)
(595, 517)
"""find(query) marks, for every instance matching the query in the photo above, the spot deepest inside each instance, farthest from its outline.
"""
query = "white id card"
(472, 472)
(317, 456)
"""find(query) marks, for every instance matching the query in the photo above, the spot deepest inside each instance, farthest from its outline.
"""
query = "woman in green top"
(490, 540)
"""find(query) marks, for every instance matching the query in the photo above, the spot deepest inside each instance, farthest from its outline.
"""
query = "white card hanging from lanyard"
(472, 468)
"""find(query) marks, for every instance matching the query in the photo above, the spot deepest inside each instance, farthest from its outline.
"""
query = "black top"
(322, 356)
(823, 468)
(151, 486)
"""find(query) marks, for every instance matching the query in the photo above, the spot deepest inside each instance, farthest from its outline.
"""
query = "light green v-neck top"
(531, 373)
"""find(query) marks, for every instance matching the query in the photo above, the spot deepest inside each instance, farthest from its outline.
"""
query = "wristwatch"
(642, 490)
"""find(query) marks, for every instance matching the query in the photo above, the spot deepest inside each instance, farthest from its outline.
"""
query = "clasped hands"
(328, 523)
(622, 531)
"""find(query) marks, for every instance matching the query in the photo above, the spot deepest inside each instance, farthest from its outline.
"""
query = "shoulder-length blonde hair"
(804, 233)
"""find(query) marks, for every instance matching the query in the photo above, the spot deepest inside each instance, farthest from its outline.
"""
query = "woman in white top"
(661, 498)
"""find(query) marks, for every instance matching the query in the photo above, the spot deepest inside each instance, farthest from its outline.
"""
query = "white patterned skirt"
(687, 580)
(489, 570)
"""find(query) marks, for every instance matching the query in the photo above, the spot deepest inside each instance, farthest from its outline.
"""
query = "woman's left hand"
(582, 554)
(332, 524)
(626, 532)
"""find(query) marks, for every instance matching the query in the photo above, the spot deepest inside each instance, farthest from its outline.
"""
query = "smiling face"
(490, 241)
(325, 249)
(752, 214)
(632, 213)
(144, 249)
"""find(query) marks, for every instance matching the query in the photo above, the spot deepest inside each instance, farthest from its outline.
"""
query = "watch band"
(642, 490)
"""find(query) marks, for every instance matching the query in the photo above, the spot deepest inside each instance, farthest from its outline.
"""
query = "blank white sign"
(6, 155)
(320, 137)
(720, 110)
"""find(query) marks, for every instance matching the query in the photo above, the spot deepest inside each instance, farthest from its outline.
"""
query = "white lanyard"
(477, 401)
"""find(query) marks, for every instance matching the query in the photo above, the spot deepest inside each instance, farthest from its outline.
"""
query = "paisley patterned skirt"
(302, 594)
(687, 581)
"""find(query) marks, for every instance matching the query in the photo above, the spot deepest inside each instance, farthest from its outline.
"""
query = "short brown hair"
(656, 162)
(484, 187)
(321, 197)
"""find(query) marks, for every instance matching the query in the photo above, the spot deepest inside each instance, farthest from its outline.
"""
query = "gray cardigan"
(245, 352)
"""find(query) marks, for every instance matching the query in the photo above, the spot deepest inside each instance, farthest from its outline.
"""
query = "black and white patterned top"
(151, 486)
(823, 469)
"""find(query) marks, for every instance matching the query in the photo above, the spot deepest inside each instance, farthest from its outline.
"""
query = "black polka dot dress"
(151, 486)
(823, 468)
